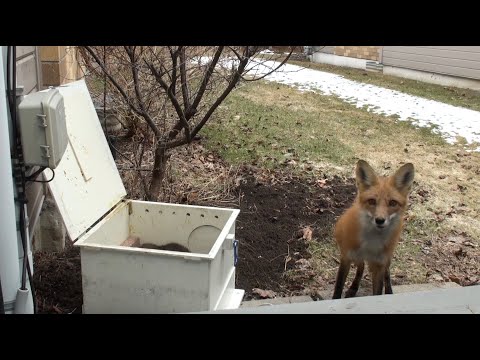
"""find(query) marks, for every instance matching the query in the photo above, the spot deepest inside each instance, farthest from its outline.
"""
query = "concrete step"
(327, 294)
(398, 289)
(446, 300)
(276, 301)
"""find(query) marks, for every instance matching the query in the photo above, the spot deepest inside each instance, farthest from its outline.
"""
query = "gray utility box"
(43, 128)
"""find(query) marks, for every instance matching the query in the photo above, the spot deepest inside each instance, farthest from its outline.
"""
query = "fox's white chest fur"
(373, 240)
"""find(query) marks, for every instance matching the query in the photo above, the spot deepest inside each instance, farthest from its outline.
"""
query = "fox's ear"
(403, 178)
(365, 175)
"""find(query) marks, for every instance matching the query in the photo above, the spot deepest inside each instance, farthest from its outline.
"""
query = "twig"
(276, 257)
(288, 258)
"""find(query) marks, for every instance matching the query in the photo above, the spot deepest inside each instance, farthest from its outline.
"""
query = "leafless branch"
(183, 79)
(193, 108)
(113, 81)
(143, 112)
(173, 99)
(271, 71)
(161, 90)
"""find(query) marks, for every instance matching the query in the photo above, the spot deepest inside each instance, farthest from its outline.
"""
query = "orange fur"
(370, 229)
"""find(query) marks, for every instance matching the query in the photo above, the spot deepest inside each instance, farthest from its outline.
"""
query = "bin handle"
(235, 252)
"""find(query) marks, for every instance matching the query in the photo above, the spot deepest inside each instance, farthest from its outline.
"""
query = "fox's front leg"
(352, 291)
(342, 274)
(388, 281)
(378, 276)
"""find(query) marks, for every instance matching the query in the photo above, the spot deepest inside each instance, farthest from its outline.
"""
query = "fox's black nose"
(379, 221)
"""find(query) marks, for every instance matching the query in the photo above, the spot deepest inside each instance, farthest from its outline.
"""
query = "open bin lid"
(86, 183)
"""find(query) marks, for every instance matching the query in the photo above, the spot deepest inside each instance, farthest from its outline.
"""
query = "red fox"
(370, 229)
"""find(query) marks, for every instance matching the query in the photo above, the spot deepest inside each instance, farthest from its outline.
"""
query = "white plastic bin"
(121, 279)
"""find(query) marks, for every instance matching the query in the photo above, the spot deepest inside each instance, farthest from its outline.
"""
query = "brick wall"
(360, 52)
(282, 49)
(59, 65)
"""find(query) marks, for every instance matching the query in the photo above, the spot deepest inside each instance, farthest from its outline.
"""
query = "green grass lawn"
(271, 125)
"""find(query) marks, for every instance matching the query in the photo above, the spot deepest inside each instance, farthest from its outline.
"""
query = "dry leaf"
(265, 294)
(303, 264)
(459, 252)
(287, 259)
(307, 233)
(473, 279)
(456, 239)
(322, 182)
(454, 278)
(437, 277)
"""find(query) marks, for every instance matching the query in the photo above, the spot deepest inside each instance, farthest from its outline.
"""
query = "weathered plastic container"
(137, 280)
(119, 279)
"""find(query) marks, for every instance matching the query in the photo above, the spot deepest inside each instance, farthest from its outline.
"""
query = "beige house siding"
(460, 61)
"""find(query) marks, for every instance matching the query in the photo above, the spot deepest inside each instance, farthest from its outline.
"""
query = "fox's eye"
(393, 203)
(372, 202)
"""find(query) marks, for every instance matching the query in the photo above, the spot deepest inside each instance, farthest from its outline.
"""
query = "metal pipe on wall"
(9, 255)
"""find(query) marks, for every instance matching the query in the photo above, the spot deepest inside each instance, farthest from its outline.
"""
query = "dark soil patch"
(58, 281)
(454, 258)
(269, 229)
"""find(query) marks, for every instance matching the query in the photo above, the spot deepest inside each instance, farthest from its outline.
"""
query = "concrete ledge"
(331, 59)
(463, 300)
(276, 301)
(397, 289)
(439, 79)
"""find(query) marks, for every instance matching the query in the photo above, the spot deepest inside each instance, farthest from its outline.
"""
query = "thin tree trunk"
(159, 167)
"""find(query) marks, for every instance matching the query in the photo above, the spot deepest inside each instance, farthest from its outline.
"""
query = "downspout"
(9, 255)
(308, 52)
